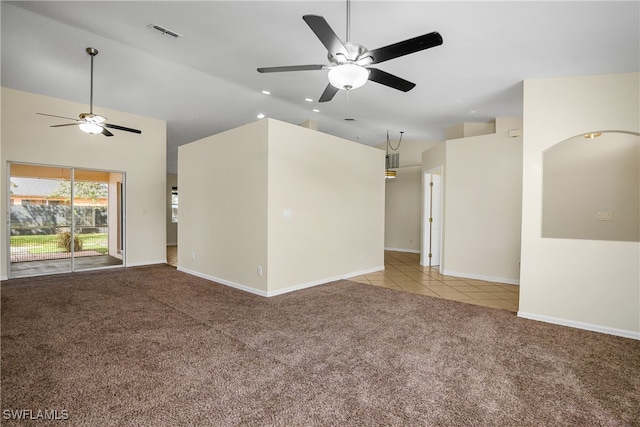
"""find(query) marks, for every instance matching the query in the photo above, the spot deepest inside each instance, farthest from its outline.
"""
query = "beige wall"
(483, 205)
(590, 284)
(403, 197)
(302, 206)
(482, 193)
(465, 130)
(326, 207)
(434, 157)
(27, 138)
(222, 180)
(172, 228)
(402, 231)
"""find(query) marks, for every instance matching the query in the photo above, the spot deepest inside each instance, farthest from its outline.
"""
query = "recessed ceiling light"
(315, 110)
(261, 116)
(266, 92)
(308, 99)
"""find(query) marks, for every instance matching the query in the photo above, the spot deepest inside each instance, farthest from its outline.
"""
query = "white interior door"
(432, 219)
(436, 218)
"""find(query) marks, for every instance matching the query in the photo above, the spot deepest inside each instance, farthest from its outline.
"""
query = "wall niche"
(591, 187)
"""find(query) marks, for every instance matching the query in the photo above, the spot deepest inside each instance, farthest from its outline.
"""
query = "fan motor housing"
(355, 50)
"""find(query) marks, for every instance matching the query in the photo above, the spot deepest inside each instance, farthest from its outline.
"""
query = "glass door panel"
(96, 219)
(39, 220)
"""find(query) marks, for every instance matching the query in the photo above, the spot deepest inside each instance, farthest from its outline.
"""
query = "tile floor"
(403, 272)
(172, 255)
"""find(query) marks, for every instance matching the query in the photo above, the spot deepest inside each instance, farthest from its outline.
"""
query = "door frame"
(119, 193)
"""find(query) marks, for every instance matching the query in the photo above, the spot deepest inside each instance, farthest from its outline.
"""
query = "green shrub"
(64, 241)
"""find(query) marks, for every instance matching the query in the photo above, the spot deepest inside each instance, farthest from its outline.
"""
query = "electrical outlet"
(259, 270)
(193, 256)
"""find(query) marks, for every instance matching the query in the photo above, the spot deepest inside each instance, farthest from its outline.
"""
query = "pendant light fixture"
(389, 173)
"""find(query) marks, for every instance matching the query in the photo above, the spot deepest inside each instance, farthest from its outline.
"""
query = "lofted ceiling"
(206, 82)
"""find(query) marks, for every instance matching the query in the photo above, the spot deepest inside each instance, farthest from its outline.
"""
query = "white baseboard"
(224, 282)
(279, 291)
(481, 277)
(323, 281)
(411, 251)
(4, 278)
(581, 325)
(362, 272)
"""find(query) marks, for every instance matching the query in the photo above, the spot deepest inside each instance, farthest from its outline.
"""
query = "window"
(174, 204)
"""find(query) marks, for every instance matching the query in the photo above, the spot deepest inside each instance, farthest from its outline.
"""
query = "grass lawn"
(44, 244)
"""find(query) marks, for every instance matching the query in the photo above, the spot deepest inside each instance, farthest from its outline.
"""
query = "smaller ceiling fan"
(349, 66)
(89, 122)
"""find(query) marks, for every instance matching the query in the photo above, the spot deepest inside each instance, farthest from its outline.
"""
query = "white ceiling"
(206, 81)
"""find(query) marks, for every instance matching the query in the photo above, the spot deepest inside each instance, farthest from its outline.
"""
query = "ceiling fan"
(89, 122)
(350, 63)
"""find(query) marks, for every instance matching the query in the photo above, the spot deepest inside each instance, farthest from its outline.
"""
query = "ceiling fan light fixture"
(348, 76)
(89, 127)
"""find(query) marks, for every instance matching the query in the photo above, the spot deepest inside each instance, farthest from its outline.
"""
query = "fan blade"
(290, 68)
(109, 125)
(60, 117)
(390, 80)
(326, 35)
(328, 94)
(405, 47)
(66, 124)
(105, 132)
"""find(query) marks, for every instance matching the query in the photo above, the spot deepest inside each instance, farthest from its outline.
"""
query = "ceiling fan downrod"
(92, 52)
(348, 38)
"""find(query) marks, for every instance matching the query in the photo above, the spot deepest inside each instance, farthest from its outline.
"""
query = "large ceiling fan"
(89, 122)
(350, 63)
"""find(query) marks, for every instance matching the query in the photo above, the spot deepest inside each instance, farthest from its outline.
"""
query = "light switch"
(604, 216)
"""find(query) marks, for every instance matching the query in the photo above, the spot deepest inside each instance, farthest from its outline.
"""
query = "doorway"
(64, 219)
(430, 253)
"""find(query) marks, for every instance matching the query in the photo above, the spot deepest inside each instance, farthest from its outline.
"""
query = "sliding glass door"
(64, 219)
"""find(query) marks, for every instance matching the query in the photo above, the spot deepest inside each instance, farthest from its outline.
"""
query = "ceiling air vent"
(164, 30)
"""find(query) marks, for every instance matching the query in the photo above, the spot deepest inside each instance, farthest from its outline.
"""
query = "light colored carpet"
(152, 346)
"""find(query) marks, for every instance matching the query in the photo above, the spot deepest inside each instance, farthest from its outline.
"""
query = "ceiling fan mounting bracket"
(92, 51)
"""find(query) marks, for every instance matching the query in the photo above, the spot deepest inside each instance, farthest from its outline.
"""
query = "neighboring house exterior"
(37, 191)
(36, 206)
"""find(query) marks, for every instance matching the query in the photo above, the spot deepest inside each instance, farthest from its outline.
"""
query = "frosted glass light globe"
(92, 128)
(348, 76)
